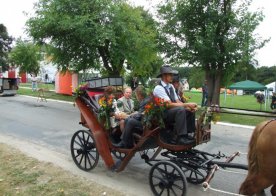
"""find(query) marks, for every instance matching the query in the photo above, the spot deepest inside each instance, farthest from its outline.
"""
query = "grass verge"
(243, 102)
(22, 175)
(48, 94)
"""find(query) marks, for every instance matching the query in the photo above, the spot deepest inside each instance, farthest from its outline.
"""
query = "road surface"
(46, 129)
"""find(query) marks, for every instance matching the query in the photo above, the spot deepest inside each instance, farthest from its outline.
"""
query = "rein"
(268, 122)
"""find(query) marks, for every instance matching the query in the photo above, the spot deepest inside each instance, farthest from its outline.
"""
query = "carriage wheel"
(83, 150)
(195, 172)
(195, 175)
(166, 178)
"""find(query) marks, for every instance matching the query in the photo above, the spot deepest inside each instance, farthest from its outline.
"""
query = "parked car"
(8, 86)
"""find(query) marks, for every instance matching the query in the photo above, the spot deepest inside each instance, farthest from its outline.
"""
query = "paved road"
(52, 124)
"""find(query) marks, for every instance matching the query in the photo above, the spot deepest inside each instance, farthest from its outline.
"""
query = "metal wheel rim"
(84, 151)
(166, 178)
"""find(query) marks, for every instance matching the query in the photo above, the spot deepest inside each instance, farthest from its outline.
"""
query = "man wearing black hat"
(190, 116)
(177, 110)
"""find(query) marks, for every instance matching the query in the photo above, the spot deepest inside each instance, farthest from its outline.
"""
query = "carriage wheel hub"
(165, 184)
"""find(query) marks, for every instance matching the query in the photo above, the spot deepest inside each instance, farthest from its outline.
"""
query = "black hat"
(176, 77)
(166, 69)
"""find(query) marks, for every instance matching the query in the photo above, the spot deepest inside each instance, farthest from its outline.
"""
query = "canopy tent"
(247, 85)
(272, 85)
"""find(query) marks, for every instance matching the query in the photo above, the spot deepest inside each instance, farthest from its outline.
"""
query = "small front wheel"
(84, 151)
(166, 178)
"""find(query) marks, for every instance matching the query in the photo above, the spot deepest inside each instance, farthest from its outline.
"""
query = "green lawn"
(40, 85)
(242, 102)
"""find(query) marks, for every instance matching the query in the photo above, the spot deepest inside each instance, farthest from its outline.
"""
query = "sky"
(13, 17)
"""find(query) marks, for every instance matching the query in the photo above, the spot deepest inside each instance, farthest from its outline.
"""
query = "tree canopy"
(5, 46)
(215, 35)
(26, 56)
(110, 36)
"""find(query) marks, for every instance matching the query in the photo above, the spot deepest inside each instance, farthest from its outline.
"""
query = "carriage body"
(188, 163)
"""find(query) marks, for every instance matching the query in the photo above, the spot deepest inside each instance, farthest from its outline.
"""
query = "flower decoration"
(80, 90)
(106, 109)
(212, 114)
(154, 112)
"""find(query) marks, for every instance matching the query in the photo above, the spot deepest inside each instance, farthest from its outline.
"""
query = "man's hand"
(191, 107)
(121, 115)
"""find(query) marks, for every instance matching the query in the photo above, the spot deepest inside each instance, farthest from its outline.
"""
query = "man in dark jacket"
(190, 116)
(133, 122)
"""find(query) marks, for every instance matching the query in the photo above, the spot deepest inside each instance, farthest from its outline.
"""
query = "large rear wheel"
(84, 151)
(166, 178)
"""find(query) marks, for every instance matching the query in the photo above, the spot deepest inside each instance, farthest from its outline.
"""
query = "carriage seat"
(94, 99)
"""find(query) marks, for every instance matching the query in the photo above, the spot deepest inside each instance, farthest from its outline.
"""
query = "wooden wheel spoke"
(176, 186)
(92, 156)
(168, 191)
(81, 159)
(173, 191)
(78, 155)
(162, 172)
(191, 173)
(85, 161)
(87, 140)
(158, 177)
(89, 160)
(157, 184)
(162, 190)
(78, 143)
(173, 171)
(81, 140)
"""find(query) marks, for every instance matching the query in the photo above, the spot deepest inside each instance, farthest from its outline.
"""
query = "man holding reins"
(176, 113)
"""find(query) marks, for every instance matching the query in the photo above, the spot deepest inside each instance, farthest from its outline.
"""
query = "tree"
(26, 55)
(244, 72)
(5, 42)
(215, 35)
(266, 75)
(110, 36)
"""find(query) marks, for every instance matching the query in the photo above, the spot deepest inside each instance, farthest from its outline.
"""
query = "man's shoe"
(190, 137)
(121, 144)
(185, 141)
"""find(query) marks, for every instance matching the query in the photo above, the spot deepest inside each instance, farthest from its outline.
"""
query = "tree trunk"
(216, 91)
(213, 83)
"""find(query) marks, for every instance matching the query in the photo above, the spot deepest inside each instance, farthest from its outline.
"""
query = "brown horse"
(261, 160)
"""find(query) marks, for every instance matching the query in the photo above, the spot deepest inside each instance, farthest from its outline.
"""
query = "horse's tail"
(252, 152)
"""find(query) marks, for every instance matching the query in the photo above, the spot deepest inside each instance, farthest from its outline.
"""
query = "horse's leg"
(261, 193)
(254, 184)
(273, 190)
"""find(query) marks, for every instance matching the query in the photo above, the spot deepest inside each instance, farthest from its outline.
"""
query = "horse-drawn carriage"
(171, 165)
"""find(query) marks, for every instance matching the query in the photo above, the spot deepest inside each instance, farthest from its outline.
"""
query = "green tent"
(247, 85)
